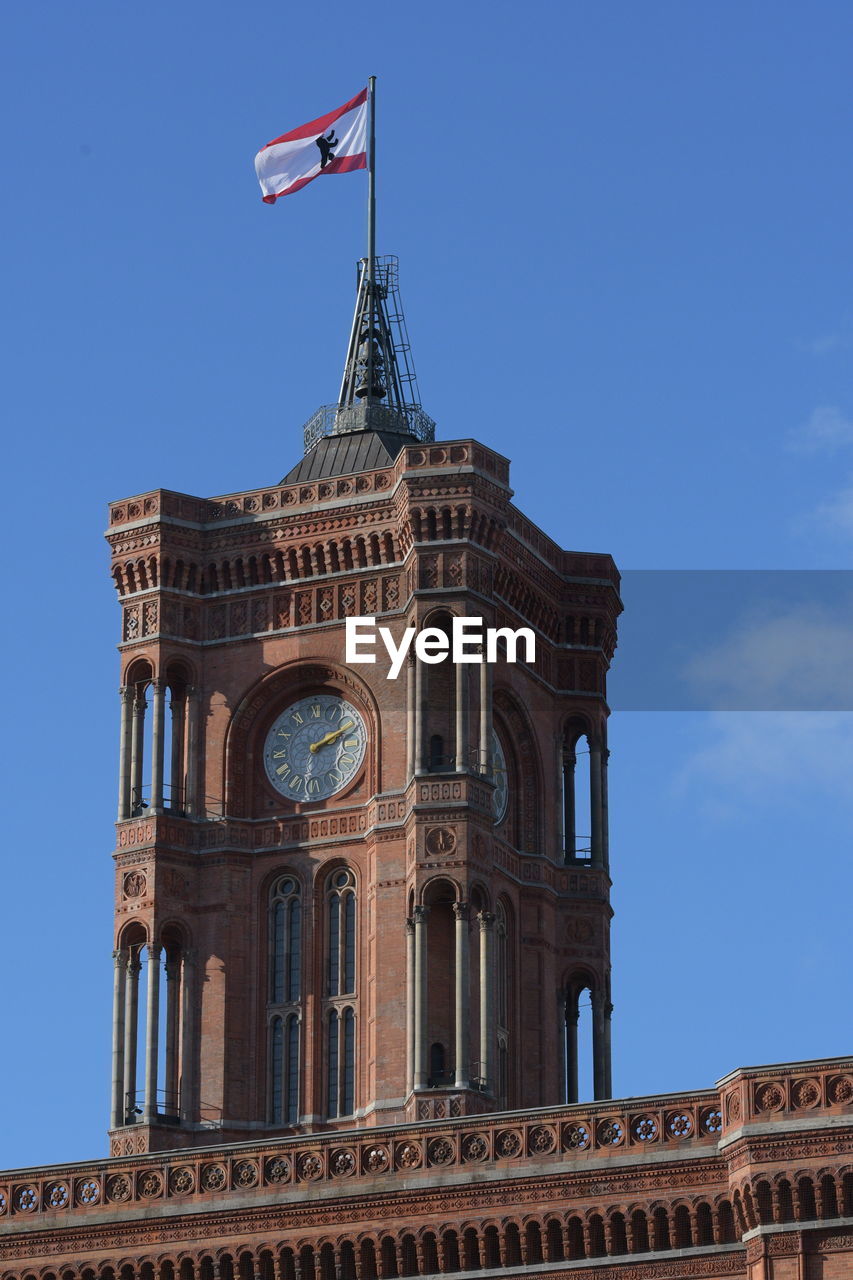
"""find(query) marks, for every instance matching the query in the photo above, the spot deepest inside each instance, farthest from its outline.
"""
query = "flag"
(335, 143)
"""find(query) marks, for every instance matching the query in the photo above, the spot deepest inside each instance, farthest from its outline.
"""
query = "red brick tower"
(344, 899)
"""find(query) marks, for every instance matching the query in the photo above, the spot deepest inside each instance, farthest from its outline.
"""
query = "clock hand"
(331, 737)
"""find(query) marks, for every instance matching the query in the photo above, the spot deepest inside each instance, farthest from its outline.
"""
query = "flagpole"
(371, 229)
(371, 177)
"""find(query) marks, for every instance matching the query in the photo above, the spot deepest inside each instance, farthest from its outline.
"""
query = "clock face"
(500, 798)
(315, 748)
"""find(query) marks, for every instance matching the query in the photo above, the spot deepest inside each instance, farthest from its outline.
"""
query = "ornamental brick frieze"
(811, 1147)
(570, 1133)
(765, 1096)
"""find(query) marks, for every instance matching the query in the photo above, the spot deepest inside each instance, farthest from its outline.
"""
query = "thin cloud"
(826, 343)
(801, 658)
(770, 756)
(827, 430)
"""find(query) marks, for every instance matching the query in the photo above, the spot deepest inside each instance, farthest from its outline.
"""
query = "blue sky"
(625, 243)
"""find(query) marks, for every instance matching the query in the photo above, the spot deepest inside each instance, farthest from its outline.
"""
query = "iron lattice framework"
(379, 390)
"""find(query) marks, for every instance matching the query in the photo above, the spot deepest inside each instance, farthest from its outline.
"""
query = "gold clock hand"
(331, 737)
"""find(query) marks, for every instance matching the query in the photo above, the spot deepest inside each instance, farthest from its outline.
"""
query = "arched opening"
(512, 1242)
(492, 1247)
(681, 1224)
(704, 1224)
(639, 1231)
(829, 1196)
(438, 681)
(439, 898)
(575, 1238)
(661, 1229)
(618, 1233)
(597, 1243)
(579, 1041)
(726, 1223)
(533, 1243)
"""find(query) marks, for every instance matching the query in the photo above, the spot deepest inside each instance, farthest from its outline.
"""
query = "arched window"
(286, 940)
(341, 1062)
(340, 985)
(285, 993)
(340, 955)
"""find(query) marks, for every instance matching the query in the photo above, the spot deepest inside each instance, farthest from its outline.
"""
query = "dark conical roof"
(345, 453)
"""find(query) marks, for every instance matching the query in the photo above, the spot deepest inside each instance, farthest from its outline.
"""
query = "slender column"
(152, 1029)
(411, 717)
(186, 1083)
(117, 1107)
(605, 821)
(131, 1020)
(191, 798)
(485, 713)
(599, 1075)
(608, 1062)
(561, 1046)
(463, 996)
(420, 714)
(137, 743)
(487, 996)
(572, 1086)
(410, 1004)
(595, 806)
(420, 1072)
(157, 746)
(177, 706)
(461, 717)
(124, 752)
(569, 821)
(173, 1023)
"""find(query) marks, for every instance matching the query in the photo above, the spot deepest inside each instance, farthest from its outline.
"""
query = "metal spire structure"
(379, 390)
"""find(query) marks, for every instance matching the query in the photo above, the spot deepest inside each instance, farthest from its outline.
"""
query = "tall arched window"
(340, 958)
(340, 985)
(285, 993)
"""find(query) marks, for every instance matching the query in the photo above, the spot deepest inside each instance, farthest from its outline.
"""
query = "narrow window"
(340, 960)
(285, 992)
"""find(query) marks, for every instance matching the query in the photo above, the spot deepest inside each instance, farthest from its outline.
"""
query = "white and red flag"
(335, 143)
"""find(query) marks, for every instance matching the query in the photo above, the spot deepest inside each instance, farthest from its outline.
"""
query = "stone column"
(486, 921)
(131, 1019)
(605, 820)
(124, 751)
(411, 717)
(157, 746)
(420, 715)
(137, 749)
(485, 713)
(561, 1046)
(595, 805)
(152, 1031)
(599, 1074)
(463, 997)
(410, 1005)
(608, 1058)
(187, 1037)
(421, 1074)
(177, 707)
(462, 735)
(571, 1042)
(119, 971)
(191, 805)
(173, 1023)
(569, 763)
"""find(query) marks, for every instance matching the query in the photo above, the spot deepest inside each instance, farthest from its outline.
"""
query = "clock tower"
(344, 899)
